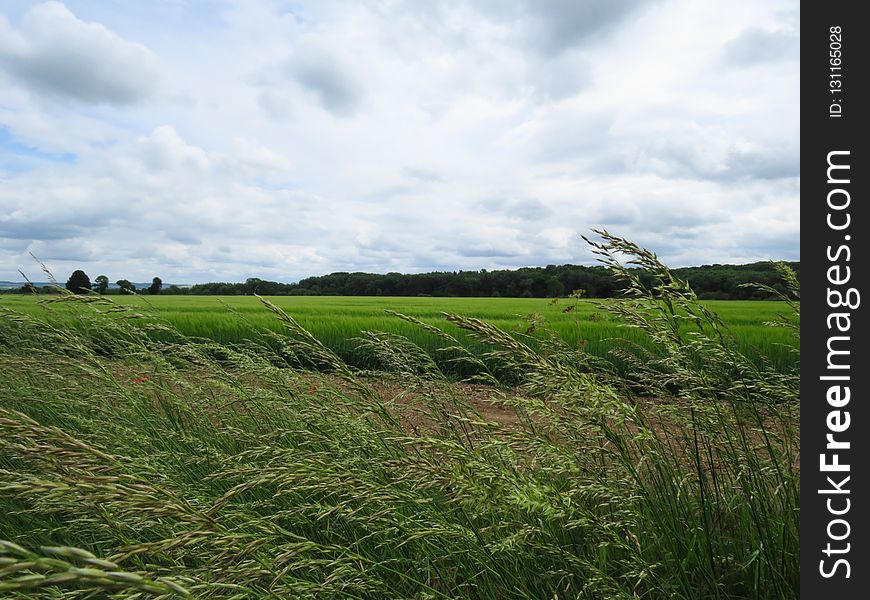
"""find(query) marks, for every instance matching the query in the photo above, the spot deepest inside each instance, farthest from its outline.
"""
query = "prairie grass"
(139, 461)
(337, 321)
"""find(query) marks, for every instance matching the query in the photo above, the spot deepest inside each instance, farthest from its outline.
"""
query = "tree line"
(710, 282)
(80, 283)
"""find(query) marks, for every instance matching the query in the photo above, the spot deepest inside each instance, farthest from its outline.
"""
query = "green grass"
(136, 464)
(337, 321)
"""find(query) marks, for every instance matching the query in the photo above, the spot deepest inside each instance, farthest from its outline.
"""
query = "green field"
(337, 321)
(216, 448)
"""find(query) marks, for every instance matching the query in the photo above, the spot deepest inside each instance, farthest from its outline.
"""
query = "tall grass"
(138, 465)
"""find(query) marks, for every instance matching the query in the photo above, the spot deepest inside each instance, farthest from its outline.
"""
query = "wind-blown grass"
(163, 465)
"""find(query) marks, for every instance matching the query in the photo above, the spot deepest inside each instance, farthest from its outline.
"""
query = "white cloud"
(333, 83)
(755, 45)
(56, 54)
(164, 150)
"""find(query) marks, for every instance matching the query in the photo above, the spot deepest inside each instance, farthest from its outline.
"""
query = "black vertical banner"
(835, 421)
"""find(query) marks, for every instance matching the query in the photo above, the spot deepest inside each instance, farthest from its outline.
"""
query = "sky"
(219, 140)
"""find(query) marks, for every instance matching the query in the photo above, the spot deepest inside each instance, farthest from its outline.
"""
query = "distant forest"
(711, 282)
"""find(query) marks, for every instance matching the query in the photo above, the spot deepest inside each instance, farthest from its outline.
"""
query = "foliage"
(101, 284)
(720, 282)
(125, 285)
(155, 287)
(78, 282)
(757, 281)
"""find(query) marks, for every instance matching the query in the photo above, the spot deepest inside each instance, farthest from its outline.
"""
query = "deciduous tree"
(78, 282)
(101, 284)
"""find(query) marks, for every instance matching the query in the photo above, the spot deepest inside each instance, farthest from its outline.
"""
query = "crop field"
(229, 449)
(339, 321)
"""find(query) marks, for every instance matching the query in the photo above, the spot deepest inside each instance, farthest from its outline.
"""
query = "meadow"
(339, 321)
(139, 460)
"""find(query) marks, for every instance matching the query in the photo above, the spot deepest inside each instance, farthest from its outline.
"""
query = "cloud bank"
(219, 141)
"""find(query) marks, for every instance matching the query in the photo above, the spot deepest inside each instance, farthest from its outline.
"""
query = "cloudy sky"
(203, 140)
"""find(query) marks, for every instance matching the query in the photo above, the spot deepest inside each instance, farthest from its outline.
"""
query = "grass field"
(337, 321)
(137, 461)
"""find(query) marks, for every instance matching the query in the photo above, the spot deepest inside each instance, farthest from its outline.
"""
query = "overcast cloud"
(202, 141)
